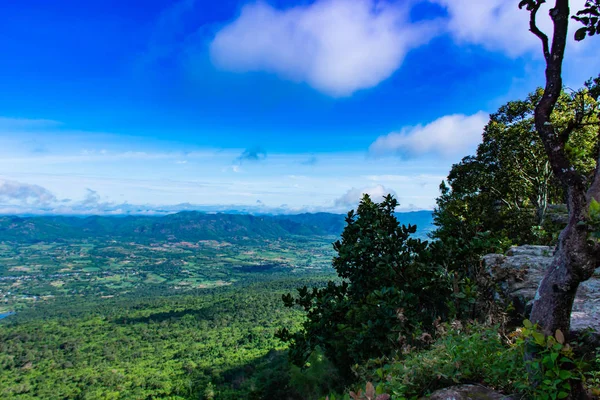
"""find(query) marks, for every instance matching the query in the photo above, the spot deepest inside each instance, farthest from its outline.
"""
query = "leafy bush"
(317, 378)
(480, 354)
(470, 354)
(593, 376)
(553, 371)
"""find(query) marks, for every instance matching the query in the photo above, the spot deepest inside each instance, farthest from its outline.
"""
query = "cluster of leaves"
(389, 293)
(370, 393)
(317, 376)
(589, 17)
(593, 376)
(553, 371)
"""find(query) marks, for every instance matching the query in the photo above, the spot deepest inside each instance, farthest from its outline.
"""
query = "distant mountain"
(422, 219)
(186, 226)
(333, 224)
(327, 223)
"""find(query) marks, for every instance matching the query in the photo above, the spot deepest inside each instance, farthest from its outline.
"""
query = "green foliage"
(594, 219)
(209, 391)
(481, 354)
(472, 353)
(459, 246)
(501, 196)
(390, 292)
(369, 394)
(589, 16)
(553, 370)
(594, 209)
(593, 376)
(593, 223)
(318, 376)
(507, 186)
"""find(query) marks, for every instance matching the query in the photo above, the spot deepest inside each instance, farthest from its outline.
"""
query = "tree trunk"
(576, 257)
(573, 263)
(554, 299)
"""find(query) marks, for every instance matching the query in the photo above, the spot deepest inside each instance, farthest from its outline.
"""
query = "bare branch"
(577, 122)
(537, 32)
(566, 133)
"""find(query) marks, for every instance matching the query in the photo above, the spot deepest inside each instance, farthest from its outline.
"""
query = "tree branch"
(576, 123)
(537, 32)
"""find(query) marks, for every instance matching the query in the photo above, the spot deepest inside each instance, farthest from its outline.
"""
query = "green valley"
(43, 258)
(181, 306)
(103, 268)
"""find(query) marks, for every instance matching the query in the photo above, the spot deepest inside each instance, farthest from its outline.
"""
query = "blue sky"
(115, 107)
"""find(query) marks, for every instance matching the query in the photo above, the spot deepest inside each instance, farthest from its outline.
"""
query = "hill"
(186, 226)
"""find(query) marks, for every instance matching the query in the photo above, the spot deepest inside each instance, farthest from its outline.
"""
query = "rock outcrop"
(467, 392)
(519, 272)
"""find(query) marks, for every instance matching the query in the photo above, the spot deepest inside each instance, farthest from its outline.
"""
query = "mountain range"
(187, 226)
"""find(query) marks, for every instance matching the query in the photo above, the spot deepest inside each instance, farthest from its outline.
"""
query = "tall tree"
(499, 196)
(576, 256)
(390, 291)
(506, 187)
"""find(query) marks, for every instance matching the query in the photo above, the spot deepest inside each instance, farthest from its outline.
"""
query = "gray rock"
(530, 251)
(585, 316)
(519, 272)
(467, 392)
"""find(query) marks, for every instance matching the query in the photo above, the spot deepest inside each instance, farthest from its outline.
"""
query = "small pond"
(4, 315)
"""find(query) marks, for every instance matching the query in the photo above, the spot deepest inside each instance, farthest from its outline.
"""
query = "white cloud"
(499, 25)
(117, 167)
(447, 136)
(14, 192)
(352, 197)
(336, 46)
(24, 198)
(493, 24)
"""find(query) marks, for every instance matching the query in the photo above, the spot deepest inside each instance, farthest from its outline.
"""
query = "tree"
(388, 294)
(576, 256)
(499, 196)
(506, 187)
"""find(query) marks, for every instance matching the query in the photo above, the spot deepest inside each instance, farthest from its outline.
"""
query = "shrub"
(469, 354)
